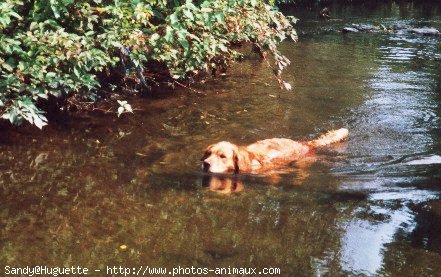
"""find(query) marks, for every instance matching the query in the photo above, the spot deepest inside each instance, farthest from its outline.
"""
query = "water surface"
(77, 191)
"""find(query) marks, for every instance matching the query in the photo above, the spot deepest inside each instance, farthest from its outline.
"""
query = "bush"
(71, 50)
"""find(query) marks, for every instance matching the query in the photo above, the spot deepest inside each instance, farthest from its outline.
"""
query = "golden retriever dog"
(264, 155)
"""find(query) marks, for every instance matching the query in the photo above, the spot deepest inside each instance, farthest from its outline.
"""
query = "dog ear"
(236, 161)
(207, 152)
(242, 160)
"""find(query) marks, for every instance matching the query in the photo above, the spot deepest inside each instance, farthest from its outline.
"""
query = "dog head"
(219, 158)
(224, 157)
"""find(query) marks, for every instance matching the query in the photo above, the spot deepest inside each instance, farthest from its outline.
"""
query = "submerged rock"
(434, 159)
(366, 27)
(427, 31)
(350, 30)
(398, 29)
(356, 28)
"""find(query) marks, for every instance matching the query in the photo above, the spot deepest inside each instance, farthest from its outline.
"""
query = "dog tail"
(330, 137)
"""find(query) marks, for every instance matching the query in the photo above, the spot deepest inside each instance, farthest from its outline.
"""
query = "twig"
(189, 88)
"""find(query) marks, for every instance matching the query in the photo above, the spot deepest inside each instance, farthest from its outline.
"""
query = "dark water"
(97, 191)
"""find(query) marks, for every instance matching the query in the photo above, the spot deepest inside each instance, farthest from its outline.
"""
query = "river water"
(97, 190)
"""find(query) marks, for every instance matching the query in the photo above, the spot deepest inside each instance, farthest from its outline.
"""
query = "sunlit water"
(77, 191)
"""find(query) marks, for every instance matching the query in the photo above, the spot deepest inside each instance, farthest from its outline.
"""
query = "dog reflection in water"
(229, 183)
(222, 184)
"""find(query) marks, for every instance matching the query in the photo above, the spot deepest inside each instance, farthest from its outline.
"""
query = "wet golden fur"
(263, 155)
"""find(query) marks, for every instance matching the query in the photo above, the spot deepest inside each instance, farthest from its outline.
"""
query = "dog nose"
(205, 166)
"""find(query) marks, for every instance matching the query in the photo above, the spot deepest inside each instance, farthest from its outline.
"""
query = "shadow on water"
(100, 191)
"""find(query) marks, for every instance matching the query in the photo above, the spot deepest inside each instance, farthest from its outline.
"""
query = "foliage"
(72, 49)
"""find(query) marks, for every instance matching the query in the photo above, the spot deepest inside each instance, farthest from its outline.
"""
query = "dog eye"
(222, 156)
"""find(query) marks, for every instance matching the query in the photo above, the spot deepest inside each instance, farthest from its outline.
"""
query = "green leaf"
(154, 37)
(184, 43)
(169, 34)
(76, 72)
(7, 67)
(14, 14)
(174, 18)
(51, 75)
(220, 17)
(54, 7)
(40, 121)
(189, 14)
(120, 111)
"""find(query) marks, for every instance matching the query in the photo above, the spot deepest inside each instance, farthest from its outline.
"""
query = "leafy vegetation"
(79, 52)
